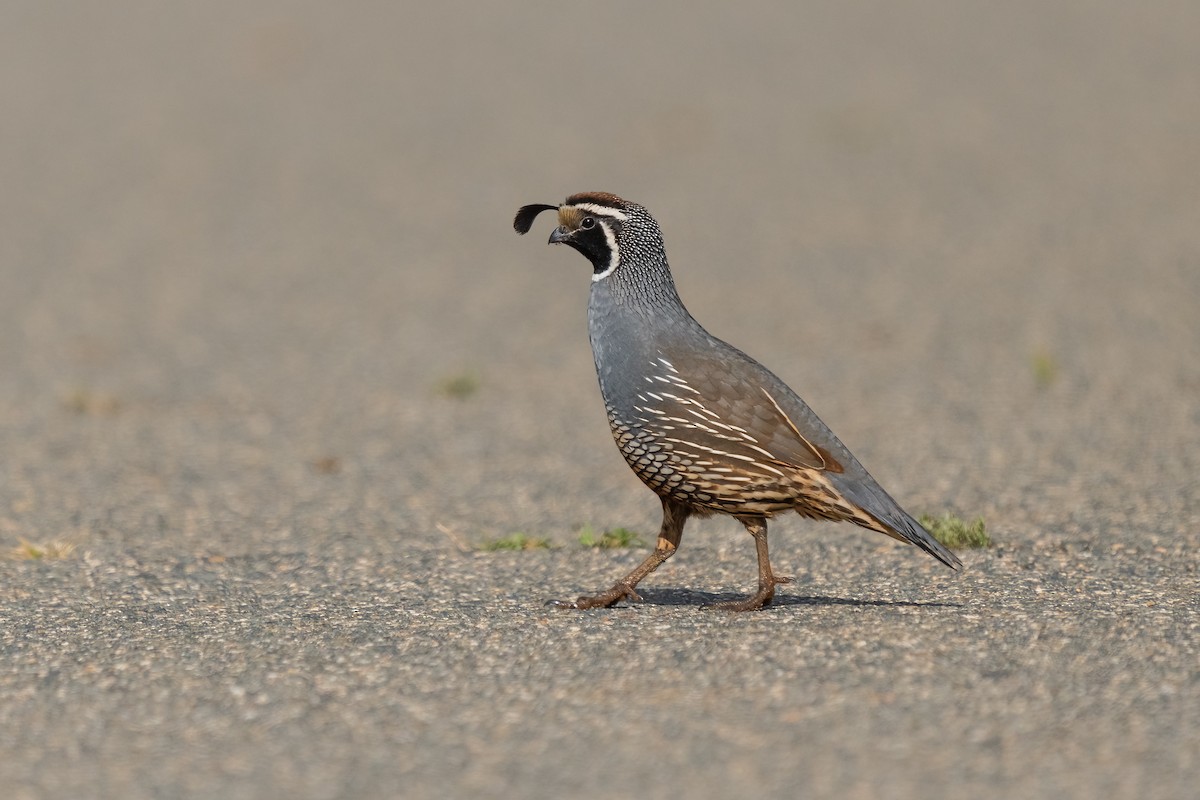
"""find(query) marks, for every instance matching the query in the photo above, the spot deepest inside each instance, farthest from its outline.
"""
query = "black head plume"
(524, 219)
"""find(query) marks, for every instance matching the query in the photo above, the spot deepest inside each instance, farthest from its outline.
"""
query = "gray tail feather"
(895, 521)
(913, 532)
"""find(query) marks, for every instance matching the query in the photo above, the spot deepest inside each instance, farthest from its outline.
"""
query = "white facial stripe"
(614, 256)
(603, 211)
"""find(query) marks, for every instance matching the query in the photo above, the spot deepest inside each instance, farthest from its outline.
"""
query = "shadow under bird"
(705, 426)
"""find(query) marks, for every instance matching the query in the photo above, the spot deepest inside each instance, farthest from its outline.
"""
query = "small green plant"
(1045, 369)
(84, 400)
(954, 532)
(515, 541)
(327, 465)
(609, 539)
(35, 551)
(460, 386)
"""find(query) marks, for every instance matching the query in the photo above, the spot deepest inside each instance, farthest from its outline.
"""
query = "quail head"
(705, 426)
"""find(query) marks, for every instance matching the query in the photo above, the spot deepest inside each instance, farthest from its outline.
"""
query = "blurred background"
(272, 359)
(259, 283)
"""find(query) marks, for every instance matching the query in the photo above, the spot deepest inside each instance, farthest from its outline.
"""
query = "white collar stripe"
(614, 253)
(603, 211)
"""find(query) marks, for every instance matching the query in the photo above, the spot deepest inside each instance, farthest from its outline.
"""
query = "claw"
(749, 604)
(753, 603)
(603, 600)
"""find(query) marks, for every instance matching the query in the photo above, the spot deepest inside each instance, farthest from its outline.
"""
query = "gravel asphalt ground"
(273, 366)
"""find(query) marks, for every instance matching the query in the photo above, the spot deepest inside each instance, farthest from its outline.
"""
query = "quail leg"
(674, 515)
(767, 579)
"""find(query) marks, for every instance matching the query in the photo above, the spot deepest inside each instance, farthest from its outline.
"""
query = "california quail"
(705, 426)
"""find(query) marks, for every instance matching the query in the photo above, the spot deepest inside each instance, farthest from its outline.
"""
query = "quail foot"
(705, 426)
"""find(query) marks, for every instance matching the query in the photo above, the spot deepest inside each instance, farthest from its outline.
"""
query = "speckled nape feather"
(706, 427)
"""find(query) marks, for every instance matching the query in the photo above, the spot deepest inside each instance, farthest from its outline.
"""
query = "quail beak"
(559, 235)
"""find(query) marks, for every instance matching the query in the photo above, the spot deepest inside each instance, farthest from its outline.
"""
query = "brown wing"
(725, 419)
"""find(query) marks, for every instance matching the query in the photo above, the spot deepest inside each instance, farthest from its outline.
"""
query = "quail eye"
(587, 223)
